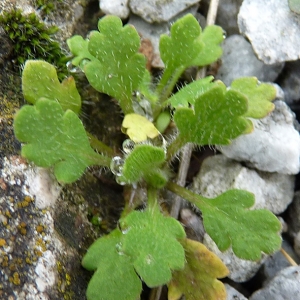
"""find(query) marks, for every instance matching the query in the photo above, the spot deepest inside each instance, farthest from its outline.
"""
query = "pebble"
(159, 10)
(273, 146)
(272, 28)
(115, 7)
(218, 174)
(285, 285)
(239, 60)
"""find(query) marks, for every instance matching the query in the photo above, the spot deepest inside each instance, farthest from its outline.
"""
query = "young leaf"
(212, 37)
(79, 48)
(229, 221)
(138, 128)
(55, 138)
(258, 95)
(190, 92)
(115, 277)
(119, 68)
(145, 162)
(217, 118)
(179, 50)
(198, 279)
(151, 240)
(39, 79)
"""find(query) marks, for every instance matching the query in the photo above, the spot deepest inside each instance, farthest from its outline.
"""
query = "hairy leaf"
(39, 79)
(190, 92)
(115, 277)
(56, 138)
(151, 240)
(258, 94)
(229, 222)
(180, 49)
(198, 279)
(217, 118)
(212, 38)
(119, 68)
(79, 48)
(145, 162)
(138, 128)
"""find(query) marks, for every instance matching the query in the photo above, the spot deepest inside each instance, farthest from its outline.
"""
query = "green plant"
(148, 245)
(32, 39)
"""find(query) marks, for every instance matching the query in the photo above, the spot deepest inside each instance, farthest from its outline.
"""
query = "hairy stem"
(99, 146)
(175, 147)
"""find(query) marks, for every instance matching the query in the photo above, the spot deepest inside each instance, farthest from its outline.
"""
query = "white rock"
(45, 271)
(240, 270)
(218, 174)
(159, 10)
(115, 7)
(233, 294)
(285, 285)
(272, 28)
(239, 60)
(273, 146)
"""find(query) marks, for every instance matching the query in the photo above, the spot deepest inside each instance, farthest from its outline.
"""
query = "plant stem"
(99, 146)
(186, 153)
(288, 258)
(186, 194)
(152, 198)
(166, 86)
(175, 147)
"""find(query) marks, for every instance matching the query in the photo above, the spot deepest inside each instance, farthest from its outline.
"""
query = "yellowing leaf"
(198, 279)
(138, 128)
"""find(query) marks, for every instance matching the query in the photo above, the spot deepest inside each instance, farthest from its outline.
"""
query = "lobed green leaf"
(118, 68)
(56, 138)
(198, 279)
(229, 222)
(39, 79)
(180, 49)
(217, 117)
(151, 239)
(115, 277)
(259, 96)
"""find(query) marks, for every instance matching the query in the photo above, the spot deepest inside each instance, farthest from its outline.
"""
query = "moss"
(45, 6)
(32, 39)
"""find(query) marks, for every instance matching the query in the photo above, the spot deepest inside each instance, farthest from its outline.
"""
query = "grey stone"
(218, 174)
(240, 270)
(115, 7)
(274, 144)
(159, 10)
(272, 28)
(233, 294)
(277, 262)
(285, 285)
(297, 244)
(239, 60)
(290, 81)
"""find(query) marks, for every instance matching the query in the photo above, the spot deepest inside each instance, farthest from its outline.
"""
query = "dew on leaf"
(71, 68)
(128, 145)
(116, 165)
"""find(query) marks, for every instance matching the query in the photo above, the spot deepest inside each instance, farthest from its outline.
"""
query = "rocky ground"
(45, 228)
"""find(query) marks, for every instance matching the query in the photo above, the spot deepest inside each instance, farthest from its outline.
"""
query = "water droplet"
(71, 68)
(120, 180)
(128, 145)
(119, 248)
(224, 34)
(125, 230)
(146, 106)
(84, 62)
(116, 165)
